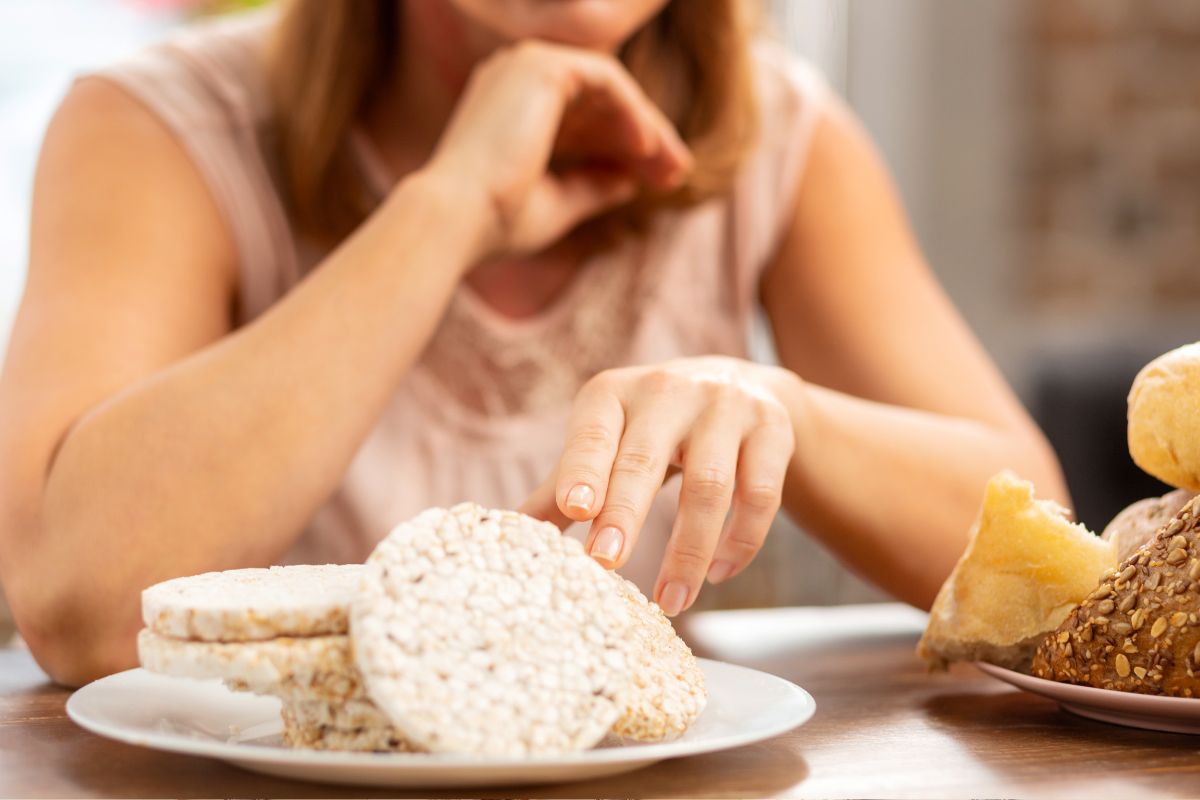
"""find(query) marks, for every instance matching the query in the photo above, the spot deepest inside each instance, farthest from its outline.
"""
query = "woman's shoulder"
(207, 75)
(203, 95)
(790, 89)
(790, 95)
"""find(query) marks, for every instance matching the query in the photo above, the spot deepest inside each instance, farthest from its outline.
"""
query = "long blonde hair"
(329, 58)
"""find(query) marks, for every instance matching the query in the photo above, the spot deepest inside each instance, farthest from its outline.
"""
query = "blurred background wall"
(1048, 152)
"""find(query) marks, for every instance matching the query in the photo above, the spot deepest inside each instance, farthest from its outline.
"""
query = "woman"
(296, 276)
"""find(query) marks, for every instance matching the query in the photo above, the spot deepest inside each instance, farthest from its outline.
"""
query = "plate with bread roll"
(1106, 625)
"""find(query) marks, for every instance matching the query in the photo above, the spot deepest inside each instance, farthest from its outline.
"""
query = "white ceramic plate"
(1173, 714)
(204, 718)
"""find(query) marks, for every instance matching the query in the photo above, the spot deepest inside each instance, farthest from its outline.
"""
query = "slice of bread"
(242, 605)
(1025, 567)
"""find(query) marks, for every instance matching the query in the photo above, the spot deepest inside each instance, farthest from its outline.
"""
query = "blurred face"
(591, 24)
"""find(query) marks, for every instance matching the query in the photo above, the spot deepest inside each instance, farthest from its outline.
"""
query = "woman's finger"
(637, 474)
(556, 204)
(709, 468)
(664, 156)
(762, 466)
(593, 435)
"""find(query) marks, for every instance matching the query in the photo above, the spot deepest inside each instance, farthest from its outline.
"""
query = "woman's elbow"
(73, 639)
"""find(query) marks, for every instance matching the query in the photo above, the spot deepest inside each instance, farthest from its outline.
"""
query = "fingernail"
(581, 497)
(719, 571)
(672, 599)
(607, 545)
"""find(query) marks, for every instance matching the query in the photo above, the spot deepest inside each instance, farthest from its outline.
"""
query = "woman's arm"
(878, 434)
(901, 417)
(140, 439)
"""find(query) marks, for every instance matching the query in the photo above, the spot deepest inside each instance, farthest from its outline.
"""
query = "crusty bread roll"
(1164, 417)
(1024, 569)
(1137, 524)
(1139, 630)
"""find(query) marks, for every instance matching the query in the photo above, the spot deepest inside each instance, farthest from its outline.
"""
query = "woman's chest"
(523, 288)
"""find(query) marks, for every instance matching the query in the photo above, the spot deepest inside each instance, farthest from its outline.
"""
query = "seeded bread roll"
(1164, 417)
(241, 605)
(1139, 631)
(1137, 524)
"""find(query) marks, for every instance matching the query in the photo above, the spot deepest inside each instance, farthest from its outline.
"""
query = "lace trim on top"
(494, 366)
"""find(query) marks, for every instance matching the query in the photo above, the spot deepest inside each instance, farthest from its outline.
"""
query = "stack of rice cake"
(467, 630)
(281, 631)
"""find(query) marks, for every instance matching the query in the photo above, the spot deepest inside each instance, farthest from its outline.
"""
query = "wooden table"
(883, 728)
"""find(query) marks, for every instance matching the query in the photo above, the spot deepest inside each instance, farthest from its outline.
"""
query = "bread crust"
(1139, 631)
(1023, 570)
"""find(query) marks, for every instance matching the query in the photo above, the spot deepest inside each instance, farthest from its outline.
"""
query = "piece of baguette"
(1025, 567)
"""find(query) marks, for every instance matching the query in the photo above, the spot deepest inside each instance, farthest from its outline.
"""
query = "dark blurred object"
(1079, 400)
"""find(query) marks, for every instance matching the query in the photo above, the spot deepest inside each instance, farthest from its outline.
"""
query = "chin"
(590, 24)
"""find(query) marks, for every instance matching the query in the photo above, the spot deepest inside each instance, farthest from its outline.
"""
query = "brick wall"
(1111, 190)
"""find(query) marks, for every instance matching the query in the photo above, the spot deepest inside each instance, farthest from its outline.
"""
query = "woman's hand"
(534, 103)
(721, 420)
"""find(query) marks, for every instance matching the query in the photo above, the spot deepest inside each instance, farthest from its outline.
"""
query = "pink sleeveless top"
(481, 415)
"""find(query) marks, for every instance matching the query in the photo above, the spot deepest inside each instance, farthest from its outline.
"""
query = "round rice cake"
(241, 605)
(489, 632)
(316, 667)
(341, 714)
(299, 734)
(668, 691)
